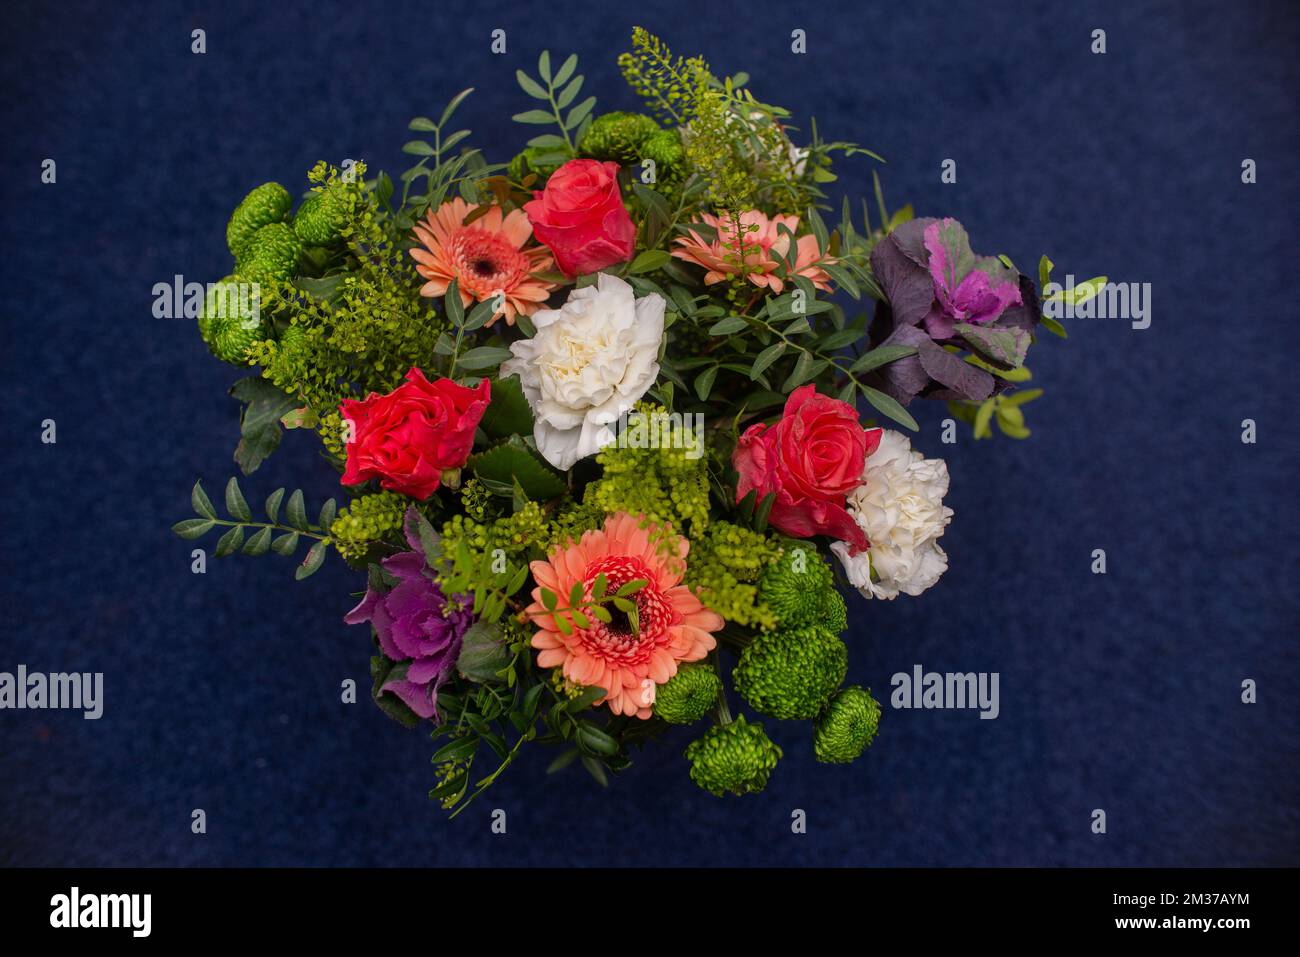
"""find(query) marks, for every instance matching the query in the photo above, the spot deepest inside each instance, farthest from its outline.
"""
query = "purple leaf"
(1003, 346)
(906, 285)
(954, 372)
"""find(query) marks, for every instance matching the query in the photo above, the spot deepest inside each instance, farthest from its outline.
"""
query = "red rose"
(581, 218)
(407, 438)
(811, 459)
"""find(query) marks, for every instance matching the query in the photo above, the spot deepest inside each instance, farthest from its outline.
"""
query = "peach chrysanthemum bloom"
(763, 245)
(674, 625)
(486, 258)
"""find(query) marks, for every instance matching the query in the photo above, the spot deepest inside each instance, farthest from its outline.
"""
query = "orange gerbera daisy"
(763, 244)
(673, 625)
(486, 258)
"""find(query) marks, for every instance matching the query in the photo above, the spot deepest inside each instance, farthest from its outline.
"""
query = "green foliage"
(847, 726)
(666, 480)
(257, 538)
(725, 565)
(688, 695)
(358, 329)
(268, 203)
(367, 520)
(558, 90)
(791, 672)
(737, 758)
(671, 85)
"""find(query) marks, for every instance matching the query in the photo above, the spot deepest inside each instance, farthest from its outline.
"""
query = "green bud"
(688, 695)
(736, 758)
(847, 726)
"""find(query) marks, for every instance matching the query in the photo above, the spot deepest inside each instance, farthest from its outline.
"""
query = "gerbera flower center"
(627, 637)
(486, 260)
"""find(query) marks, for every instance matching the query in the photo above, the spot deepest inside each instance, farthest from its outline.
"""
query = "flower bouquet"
(596, 417)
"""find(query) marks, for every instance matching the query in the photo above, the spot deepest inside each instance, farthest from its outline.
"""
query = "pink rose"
(407, 438)
(581, 218)
(811, 459)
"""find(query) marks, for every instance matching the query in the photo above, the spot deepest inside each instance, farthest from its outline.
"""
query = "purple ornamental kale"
(940, 293)
(417, 626)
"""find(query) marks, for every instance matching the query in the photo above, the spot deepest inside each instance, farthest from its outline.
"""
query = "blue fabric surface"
(1119, 692)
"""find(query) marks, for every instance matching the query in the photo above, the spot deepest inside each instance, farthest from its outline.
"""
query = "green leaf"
(201, 503)
(566, 70)
(273, 505)
(879, 356)
(843, 278)
(286, 544)
(1045, 267)
(508, 412)
(422, 124)
(593, 739)
(888, 405)
(763, 511)
(766, 358)
(805, 367)
(417, 148)
(1005, 346)
(310, 564)
(456, 101)
(483, 357)
(230, 541)
(327, 513)
(451, 302)
(841, 338)
(704, 382)
(259, 421)
(648, 261)
(563, 761)
(725, 327)
(550, 601)
(1081, 292)
(579, 113)
(514, 462)
(193, 527)
(631, 587)
(235, 504)
(1020, 398)
(482, 653)
(544, 66)
(1054, 327)
(537, 117)
(585, 699)
(530, 86)
(296, 512)
(260, 543)
(982, 417)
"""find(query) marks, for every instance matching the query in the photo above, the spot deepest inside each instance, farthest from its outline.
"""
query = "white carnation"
(900, 507)
(589, 362)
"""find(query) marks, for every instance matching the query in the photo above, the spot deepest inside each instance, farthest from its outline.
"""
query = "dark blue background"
(1118, 692)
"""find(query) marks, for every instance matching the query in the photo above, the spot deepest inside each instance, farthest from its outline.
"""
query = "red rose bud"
(811, 459)
(410, 437)
(581, 218)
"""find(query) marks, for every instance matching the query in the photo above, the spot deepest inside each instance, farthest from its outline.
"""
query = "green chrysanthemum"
(687, 696)
(265, 205)
(321, 217)
(737, 757)
(271, 256)
(665, 148)
(797, 586)
(847, 726)
(231, 321)
(835, 614)
(618, 136)
(790, 673)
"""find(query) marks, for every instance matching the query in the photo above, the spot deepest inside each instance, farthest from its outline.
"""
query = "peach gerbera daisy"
(757, 258)
(673, 625)
(487, 257)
